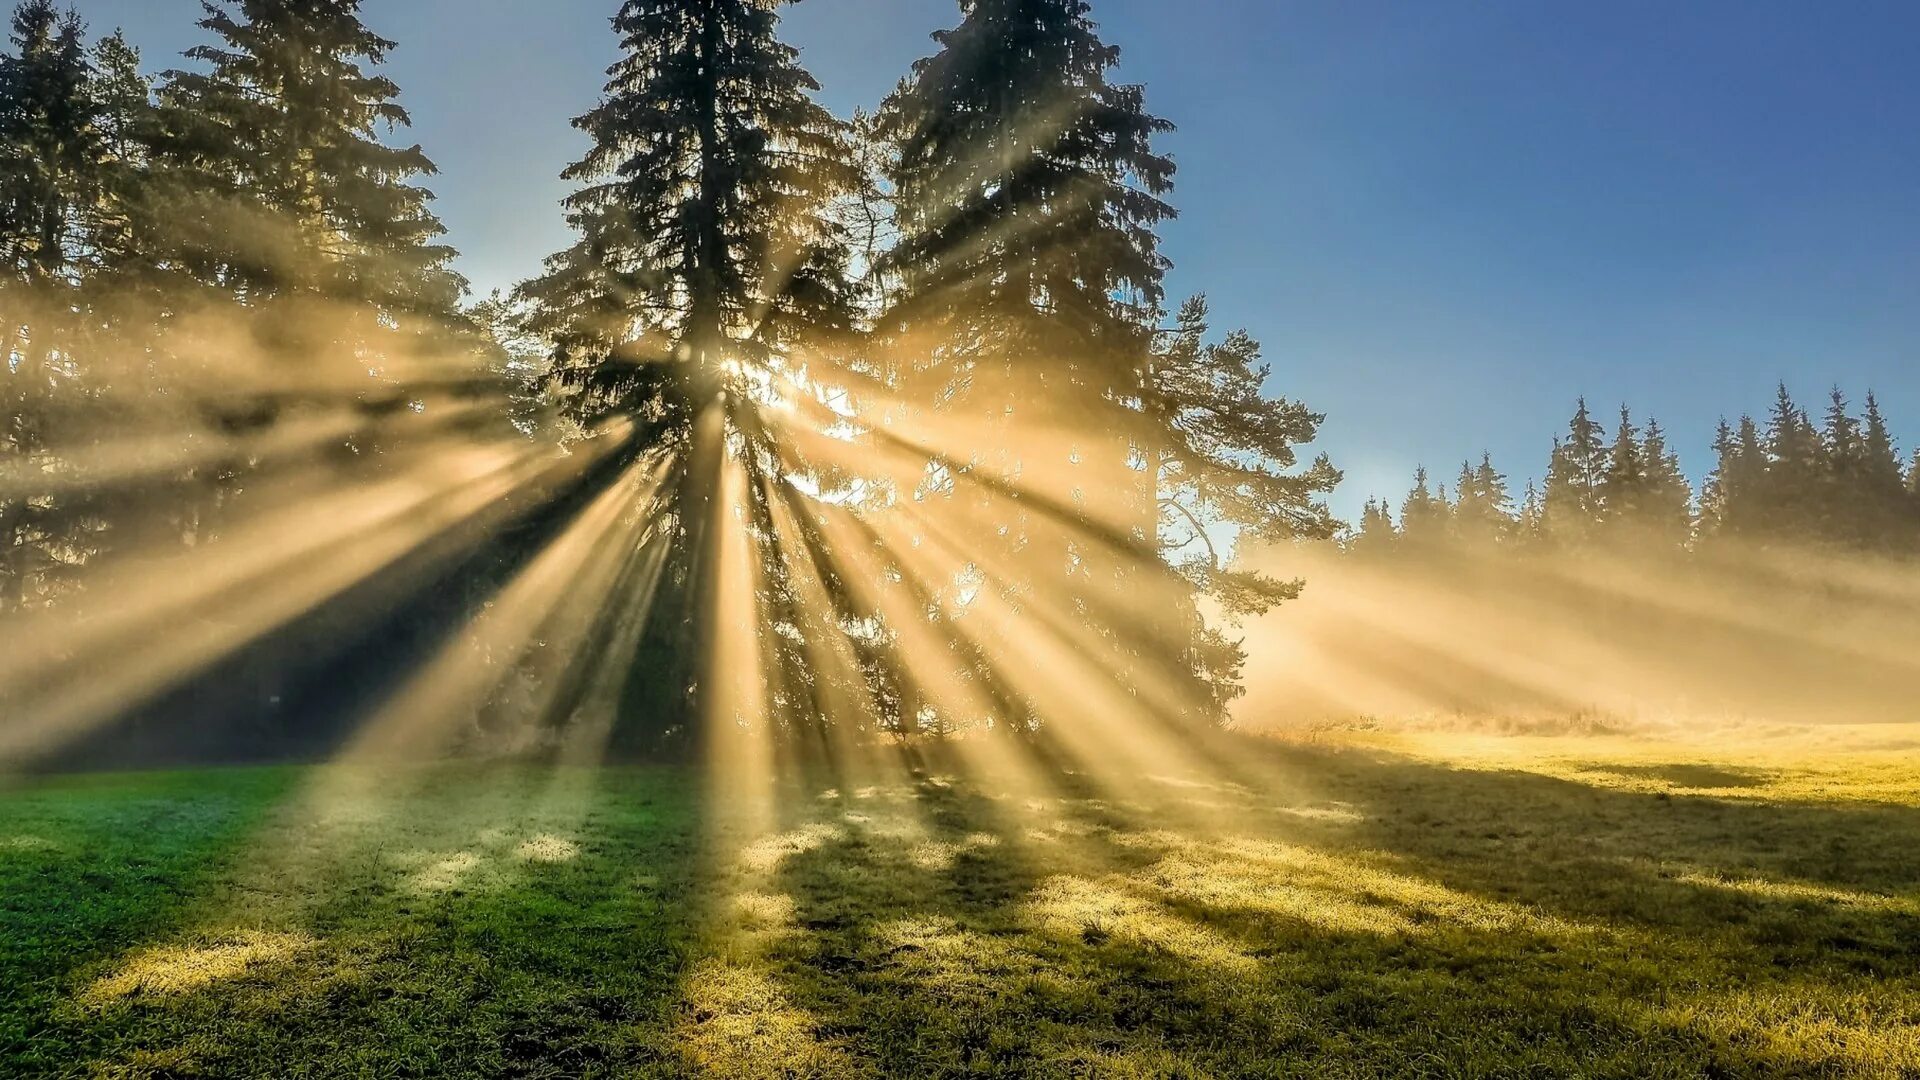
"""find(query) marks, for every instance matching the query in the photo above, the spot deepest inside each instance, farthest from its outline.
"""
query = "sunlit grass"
(1844, 763)
(183, 969)
(1358, 905)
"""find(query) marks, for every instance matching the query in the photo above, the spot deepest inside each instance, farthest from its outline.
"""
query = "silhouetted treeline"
(899, 394)
(1788, 479)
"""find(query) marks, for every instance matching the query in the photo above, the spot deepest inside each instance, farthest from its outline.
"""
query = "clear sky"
(1445, 220)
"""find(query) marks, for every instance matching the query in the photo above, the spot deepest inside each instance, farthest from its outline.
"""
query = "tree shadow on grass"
(90, 865)
(1688, 775)
(467, 922)
(1385, 917)
(1297, 911)
(1653, 857)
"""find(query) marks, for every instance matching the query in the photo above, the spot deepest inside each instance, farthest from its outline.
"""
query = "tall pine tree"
(1530, 523)
(706, 242)
(49, 172)
(285, 187)
(1377, 533)
(1732, 504)
(1795, 472)
(1623, 487)
(49, 150)
(1483, 513)
(709, 272)
(1572, 502)
(1027, 190)
(1423, 514)
(1882, 508)
(1666, 509)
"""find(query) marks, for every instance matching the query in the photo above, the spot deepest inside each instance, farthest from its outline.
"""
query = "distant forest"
(1788, 480)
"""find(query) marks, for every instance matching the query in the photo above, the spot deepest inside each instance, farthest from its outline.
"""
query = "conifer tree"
(1623, 487)
(1667, 497)
(49, 157)
(1226, 456)
(709, 268)
(1714, 494)
(1493, 488)
(1841, 486)
(286, 189)
(1483, 514)
(1029, 282)
(1842, 436)
(1572, 503)
(1794, 471)
(1730, 498)
(274, 200)
(1377, 533)
(1530, 523)
(128, 127)
(1028, 191)
(1883, 503)
(48, 174)
(704, 231)
(1423, 514)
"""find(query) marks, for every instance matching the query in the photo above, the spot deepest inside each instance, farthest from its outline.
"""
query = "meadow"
(1346, 903)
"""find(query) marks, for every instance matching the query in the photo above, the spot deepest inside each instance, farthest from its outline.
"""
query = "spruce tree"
(48, 173)
(1731, 499)
(1483, 514)
(1530, 523)
(1667, 497)
(49, 177)
(1885, 523)
(1794, 474)
(1572, 504)
(128, 127)
(1493, 488)
(1377, 533)
(277, 206)
(1841, 489)
(1029, 281)
(1714, 494)
(285, 187)
(1623, 487)
(705, 238)
(1423, 514)
(1028, 189)
(708, 273)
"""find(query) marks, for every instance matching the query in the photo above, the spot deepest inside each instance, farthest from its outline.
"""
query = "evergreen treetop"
(1572, 502)
(1028, 191)
(288, 188)
(49, 171)
(705, 232)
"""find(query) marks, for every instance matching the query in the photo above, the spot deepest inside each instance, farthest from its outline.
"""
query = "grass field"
(1359, 904)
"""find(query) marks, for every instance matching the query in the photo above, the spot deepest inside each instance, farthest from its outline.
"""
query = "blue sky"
(1446, 221)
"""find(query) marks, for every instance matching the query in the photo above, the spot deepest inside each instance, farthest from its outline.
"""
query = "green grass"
(1360, 906)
